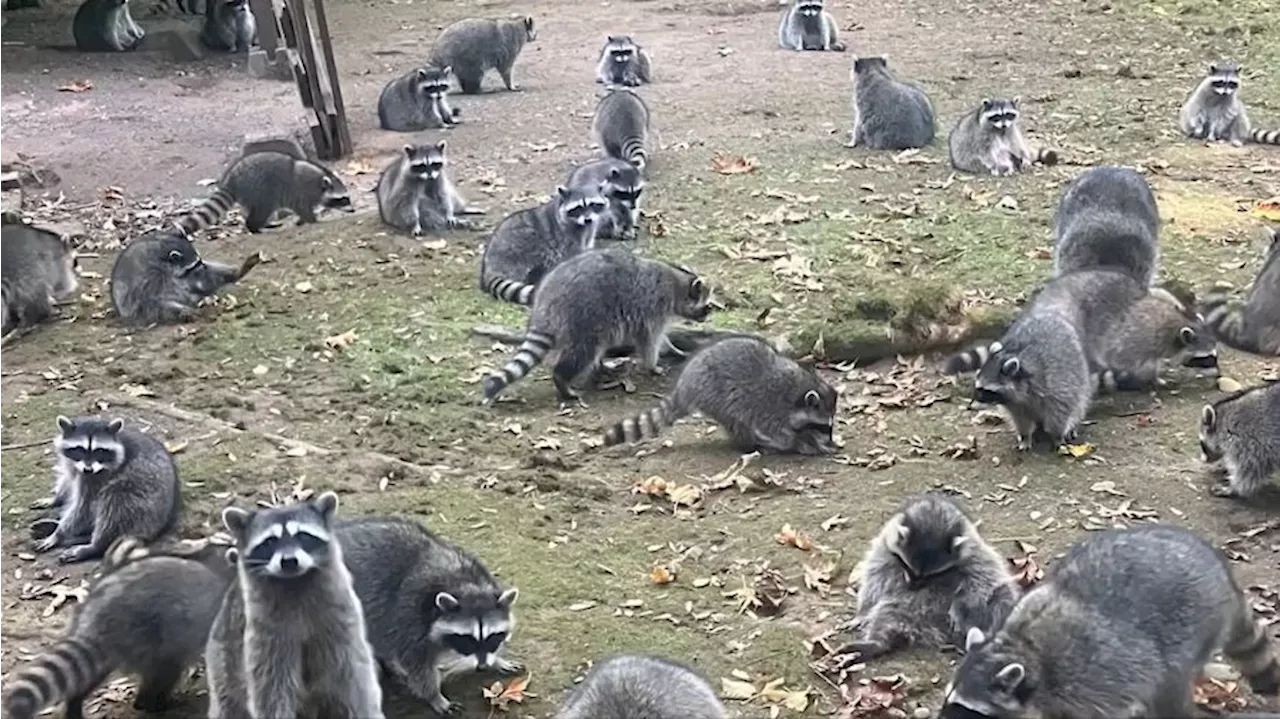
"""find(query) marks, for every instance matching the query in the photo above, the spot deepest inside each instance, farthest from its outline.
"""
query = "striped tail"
(122, 551)
(209, 212)
(1265, 137)
(1046, 156)
(531, 353)
(1250, 649)
(633, 151)
(970, 360)
(521, 293)
(646, 425)
(70, 668)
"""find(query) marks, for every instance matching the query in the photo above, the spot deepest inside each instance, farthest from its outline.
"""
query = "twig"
(24, 445)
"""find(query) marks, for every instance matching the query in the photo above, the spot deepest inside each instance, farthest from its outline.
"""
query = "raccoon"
(621, 126)
(229, 26)
(416, 194)
(989, 140)
(265, 182)
(289, 639)
(112, 481)
(622, 184)
(761, 397)
(623, 62)
(1254, 326)
(1240, 439)
(1153, 328)
(105, 26)
(1107, 219)
(149, 614)
(596, 301)
(1120, 627)
(160, 278)
(1215, 112)
(37, 272)
(432, 609)
(887, 114)
(806, 25)
(475, 45)
(529, 243)
(418, 100)
(628, 686)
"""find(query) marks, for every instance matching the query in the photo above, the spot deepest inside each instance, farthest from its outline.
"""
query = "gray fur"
(623, 62)
(887, 114)
(629, 686)
(289, 639)
(160, 278)
(1119, 629)
(529, 243)
(475, 45)
(229, 26)
(989, 140)
(1215, 112)
(264, 183)
(417, 100)
(109, 482)
(621, 126)
(1153, 328)
(1107, 219)
(594, 302)
(622, 185)
(105, 26)
(806, 25)
(415, 193)
(764, 399)
(1240, 439)
(1255, 325)
(37, 271)
(424, 601)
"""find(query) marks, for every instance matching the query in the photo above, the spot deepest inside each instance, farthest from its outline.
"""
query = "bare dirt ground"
(796, 248)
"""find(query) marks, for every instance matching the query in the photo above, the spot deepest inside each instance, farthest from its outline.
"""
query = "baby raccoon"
(1254, 326)
(418, 100)
(1240, 439)
(1215, 112)
(629, 686)
(594, 302)
(160, 278)
(1120, 627)
(887, 114)
(622, 184)
(990, 140)
(475, 45)
(1152, 329)
(1107, 219)
(530, 243)
(621, 126)
(762, 398)
(415, 193)
(265, 182)
(37, 271)
(806, 25)
(432, 609)
(229, 26)
(105, 26)
(622, 62)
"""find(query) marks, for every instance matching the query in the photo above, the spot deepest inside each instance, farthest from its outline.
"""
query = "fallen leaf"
(581, 606)
(514, 692)
(818, 578)
(661, 575)
(137, 390)
(734, 165)
(1026, 570)
(792, 538)
(1076, 450)
(261, 370)
(1226, 384)
(831, 523)
(340, 341)
(176, 447)
(1267, 209)
(361, 166)
(77, 86)
(872, 697)
(1106, 487)
(686, 494)
(1219, 696)
(737, 690)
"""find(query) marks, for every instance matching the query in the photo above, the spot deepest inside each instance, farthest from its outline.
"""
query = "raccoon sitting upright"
(37, 271)
(229, 26)
(1215, 112)
(264, 183)
(1121, 627)
(929, 578)
(105, 26)
(807, 25)
(529, 243)
(989, 140)
(621, 184)
(621, 126)
(761, 397)
(475, 45)
(160, 278)
(595, 302)
(432, 609)
(1255, 325)
(415, 193)
(629, 686)
(1107, 219)
(887, 114)
(1240, 439)
(417, 100)
(622, 62)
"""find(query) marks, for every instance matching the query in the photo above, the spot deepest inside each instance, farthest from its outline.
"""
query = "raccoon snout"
(987, 396)
(1202, 361)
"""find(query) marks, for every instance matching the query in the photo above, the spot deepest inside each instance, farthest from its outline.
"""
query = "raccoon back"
(743, 383)
(527, 244)
(478, 44)
(1107, 219)
(892, 115)
(402, 108)
(96, 27)
(627, 686)
(621, 124)
(35, 266)
(606, 296)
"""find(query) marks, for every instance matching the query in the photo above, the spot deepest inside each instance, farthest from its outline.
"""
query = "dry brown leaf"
(77, 86)
(734, 165)
(515, 692)
(341, 341)
(818, 578)
(737, 690)
(661, 575)
(1077, 451)
(686, 494)
(872, 697)
(792, 538)
(1026, 570)
(362, 166)
(1219, 696)
(1267, 209)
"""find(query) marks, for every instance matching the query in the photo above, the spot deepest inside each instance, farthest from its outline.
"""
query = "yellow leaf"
(661, 575)
(1267, 209)
(1226, 384)
(1076, 450)
(735, 690)
(734, 165)
(685, 494)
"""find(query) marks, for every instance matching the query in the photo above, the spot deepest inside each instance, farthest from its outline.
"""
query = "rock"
(263, 67)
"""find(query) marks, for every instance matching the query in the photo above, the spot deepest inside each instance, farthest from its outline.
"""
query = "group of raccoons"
(109, 26)
(296, 617)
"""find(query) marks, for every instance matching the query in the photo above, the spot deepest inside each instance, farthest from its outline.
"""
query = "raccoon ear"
(420, 73)
(958, 542)
(65, 424)
(408, 150)
(446, 602)
(1010, 678)
(1187, 335)
(986, 103)
(115, 425)
(1213, 68)
(326, 504)
(528, 23)
(441, 145)
(695, 288)
(903, 532)
(1209, 417)
(995, 347)
(235, 519)
(812, 400)
(562, 192)
(232, 555)
(973, 639)
(446, 70)
(175, 255)
(326, 182)
(1016, 99)
(614, 174)
(1273, 233)
(1012, 367)
(507, 598)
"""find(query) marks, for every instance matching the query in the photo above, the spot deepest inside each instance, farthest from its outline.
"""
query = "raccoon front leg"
(650, 350)
(832, 34)
(576, 362)
(882, 632)
(273, 673)
(105, 531)
(75, 522)
(1251, 650)
(423, 681)
(1024, 424)
(157, 687)
(1244, 479)
(505, 72)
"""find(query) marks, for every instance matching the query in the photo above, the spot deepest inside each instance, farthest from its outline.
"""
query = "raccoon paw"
(43, 503)
(47, 543)
(1024, 443)
(508, 666)
(78, 553)
(1224, 490)
(443, 707)
(864, 650)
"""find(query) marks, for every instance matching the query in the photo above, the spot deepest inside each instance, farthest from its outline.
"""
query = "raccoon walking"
(621, 184)
(989, 140)
(1215, 112)
(1255, 325)
(761, 397)
(806, 25)
(629, 686)
(529, 243)
(37, 271)
(148, 615)
(1240, 439)
(1107, 219)
(265, 182)
(928, 578)
(887, 114)
(109, 482)
(1120, 627)
(432, 609)
(160, 278)
(475, 45)
(105, 26)
(597, 301)
(289, 639)
(415, 193)
(1152, 329)
(623, 62)
(229, 26)
(417, 100)
(621, 126)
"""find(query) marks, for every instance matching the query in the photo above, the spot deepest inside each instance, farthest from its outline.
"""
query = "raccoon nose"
(289, 564)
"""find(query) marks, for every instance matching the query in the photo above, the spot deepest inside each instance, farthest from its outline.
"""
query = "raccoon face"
(284, 542)
(929, 540)
(1210, 448)
(809, 9)
(1002, 379)
(473, 630)
(989, 683)
(91, 445)
(869, 64)
(1225, 79)
(529, 33)
(579, 207)
(621, 52)
(335, 195)
(1197, 347)
(814, 417)
(999, 115)
(180, 255)
(694, 302)
(432, 82)
(624, 187)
